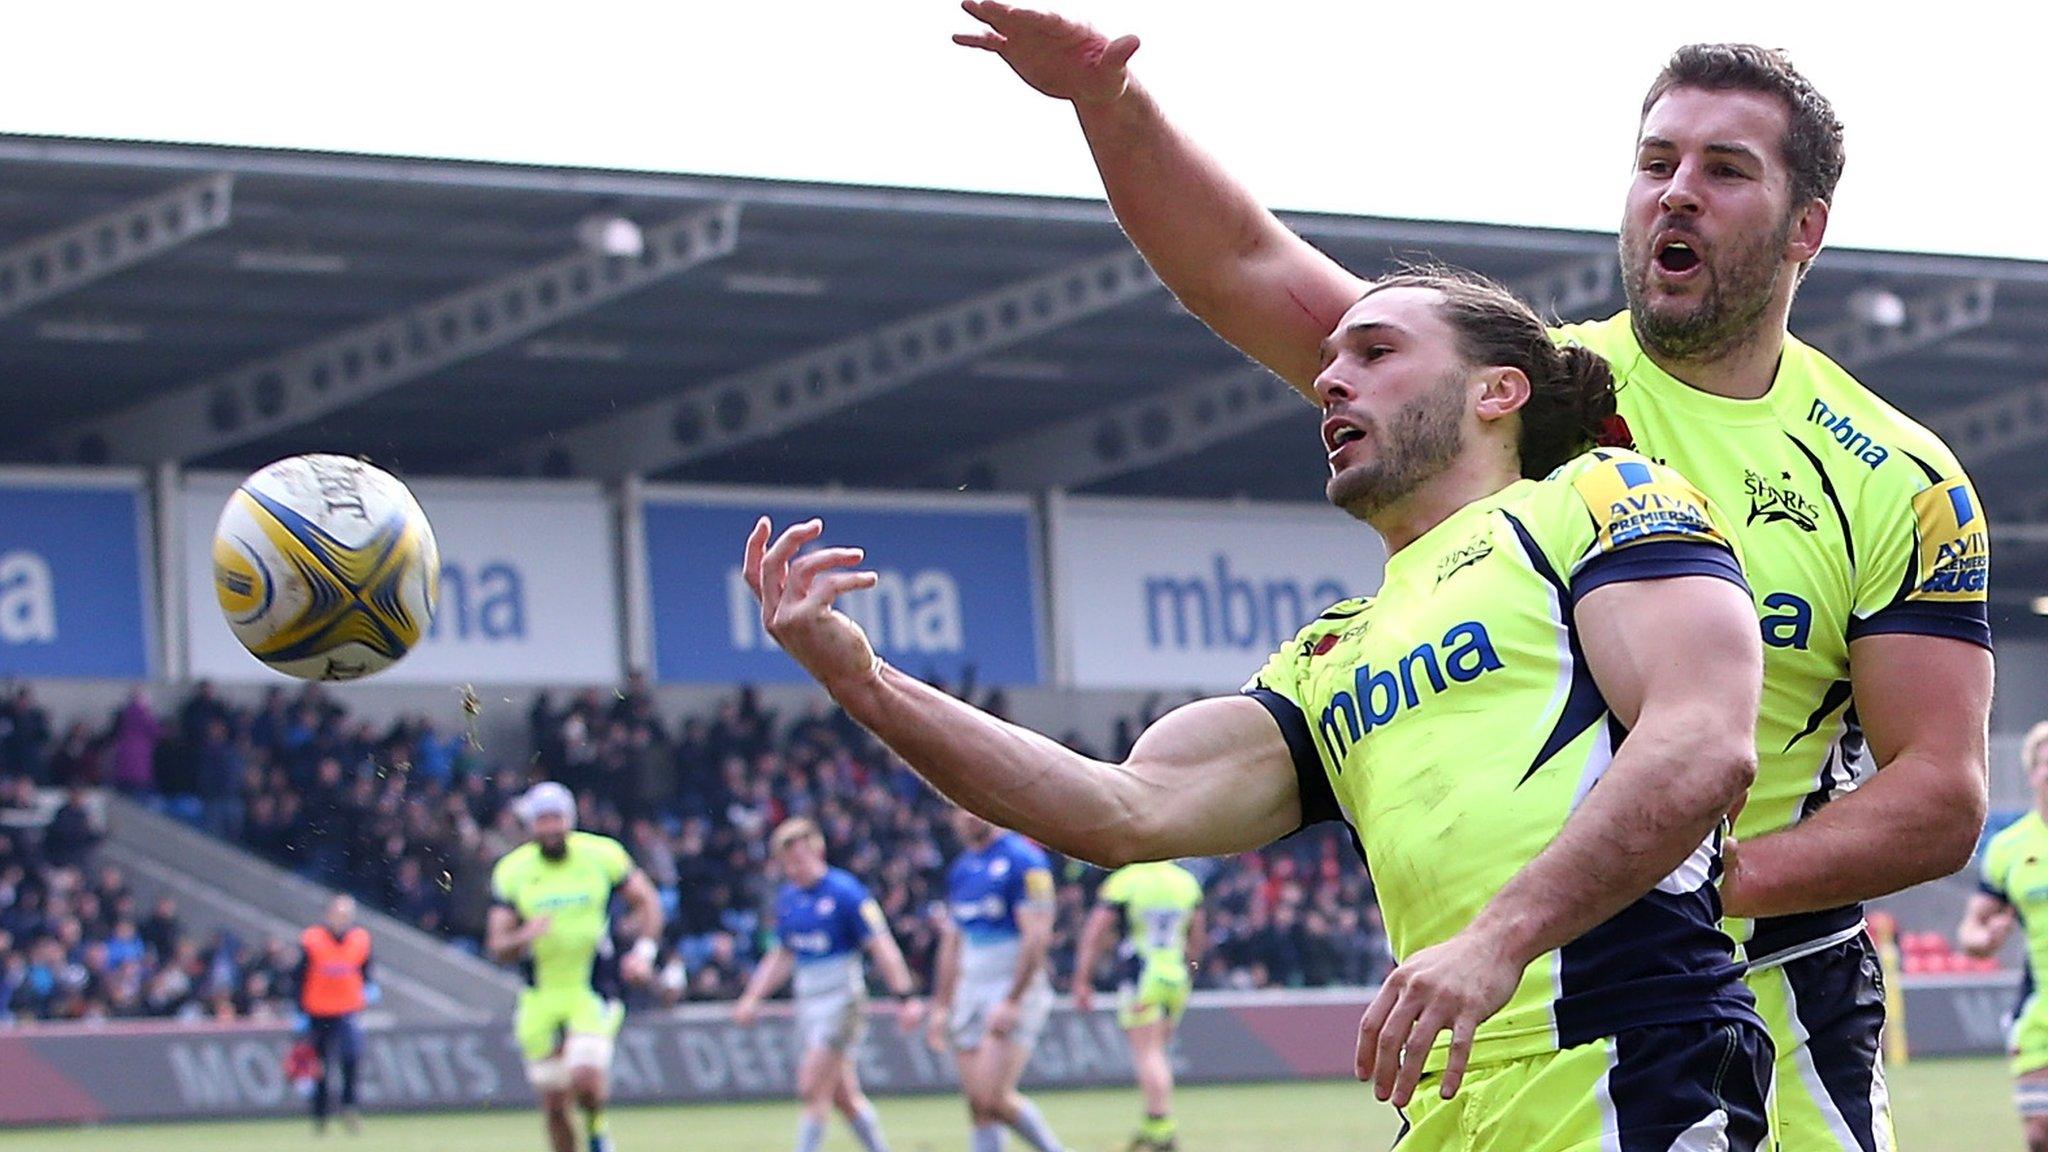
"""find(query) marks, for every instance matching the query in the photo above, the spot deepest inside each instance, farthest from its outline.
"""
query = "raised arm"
(1229, 260)
(1210, 779)
(1687, 692)
(1925, 704)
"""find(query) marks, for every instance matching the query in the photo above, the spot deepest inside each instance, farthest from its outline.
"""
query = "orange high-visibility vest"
(334, 971)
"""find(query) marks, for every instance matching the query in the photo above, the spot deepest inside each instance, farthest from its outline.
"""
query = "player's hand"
(1734, 886)
(535, 928)
(745, 1012)
(937, 1023)
(1084, 996)
(796, 594)
(635, 969)
(909, 1014)
(1002, 1019)
(1063, 58)
(1454, 986)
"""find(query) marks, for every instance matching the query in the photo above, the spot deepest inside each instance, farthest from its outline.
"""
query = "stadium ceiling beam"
(1186, 418)
(289, 389)
(761, 402)
(1996, 425)
(1929, 320)
(71, 257)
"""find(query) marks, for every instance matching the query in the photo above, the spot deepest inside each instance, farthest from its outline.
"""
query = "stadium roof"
(221, 307)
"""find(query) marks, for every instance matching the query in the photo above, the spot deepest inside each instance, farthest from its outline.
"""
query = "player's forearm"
(767, 978)
(1916, 820)
(1672, 781)
(1009, 775)
(1982, 931)
(1228, 259)
(1087, 953)
(895, 970)
(1031, 955)
(946, 971)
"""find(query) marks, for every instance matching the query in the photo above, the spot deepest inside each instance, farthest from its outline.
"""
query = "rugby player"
(1536, 730)
(1867, 550)
(991, 995)
(824, 919)
(1160, 908)
(551, 914)
(2013, 893)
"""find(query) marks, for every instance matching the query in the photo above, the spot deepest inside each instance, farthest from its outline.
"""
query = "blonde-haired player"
(2013, 892)
(824, 920)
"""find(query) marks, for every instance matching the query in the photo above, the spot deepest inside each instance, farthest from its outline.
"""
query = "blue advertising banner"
(74, 598)
(958, 584)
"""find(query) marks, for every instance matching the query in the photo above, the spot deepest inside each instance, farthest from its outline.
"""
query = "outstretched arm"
(1687, 692)
(1229, 260)
(1210, 779)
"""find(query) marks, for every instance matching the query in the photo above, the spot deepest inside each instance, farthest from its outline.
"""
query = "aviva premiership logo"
(1955, 547)
(1775, 505)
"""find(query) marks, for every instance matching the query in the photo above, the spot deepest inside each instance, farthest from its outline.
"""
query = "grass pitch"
(1940, 1105)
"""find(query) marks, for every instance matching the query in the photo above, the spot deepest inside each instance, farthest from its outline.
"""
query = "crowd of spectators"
(410, 816)
(78, 943)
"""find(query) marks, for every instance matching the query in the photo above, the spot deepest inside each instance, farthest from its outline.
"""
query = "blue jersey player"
(991, 994)
(824, 920)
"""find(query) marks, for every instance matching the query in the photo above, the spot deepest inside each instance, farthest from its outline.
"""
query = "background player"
(1866, 548)
(1159, 906)
(2013, 893)
(824, 919)
(334, 987)
(1550, 888)
(551, 913)
(991, 995)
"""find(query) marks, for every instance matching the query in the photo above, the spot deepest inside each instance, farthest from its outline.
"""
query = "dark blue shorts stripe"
(1667, 1080)
(1838, 994)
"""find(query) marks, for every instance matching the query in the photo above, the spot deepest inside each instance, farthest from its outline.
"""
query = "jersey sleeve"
(1190, 889)
(1034, 876)
(1280, 686)
(504, 883)
(618, 863)
(1928, 563)
(1636, 519)
(1991, 871)
(1116, 889)
(863, 916)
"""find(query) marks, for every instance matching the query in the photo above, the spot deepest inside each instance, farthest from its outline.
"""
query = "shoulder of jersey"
(516, 856)
(1838, 397)
(594, 841)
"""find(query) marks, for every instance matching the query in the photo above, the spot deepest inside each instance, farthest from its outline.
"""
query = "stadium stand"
(410, 818)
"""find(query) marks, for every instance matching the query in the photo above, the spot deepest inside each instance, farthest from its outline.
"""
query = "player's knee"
(2037, 1133)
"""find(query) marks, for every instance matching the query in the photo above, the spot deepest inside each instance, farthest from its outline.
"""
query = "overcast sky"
(1433, 109)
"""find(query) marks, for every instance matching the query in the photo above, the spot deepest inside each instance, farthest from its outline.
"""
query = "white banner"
(529, 594)
(1176, 594)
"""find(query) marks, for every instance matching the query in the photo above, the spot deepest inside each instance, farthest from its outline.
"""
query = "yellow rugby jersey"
(2015, 873)
(1452, 722)
(575, 893)
(1853, 520)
